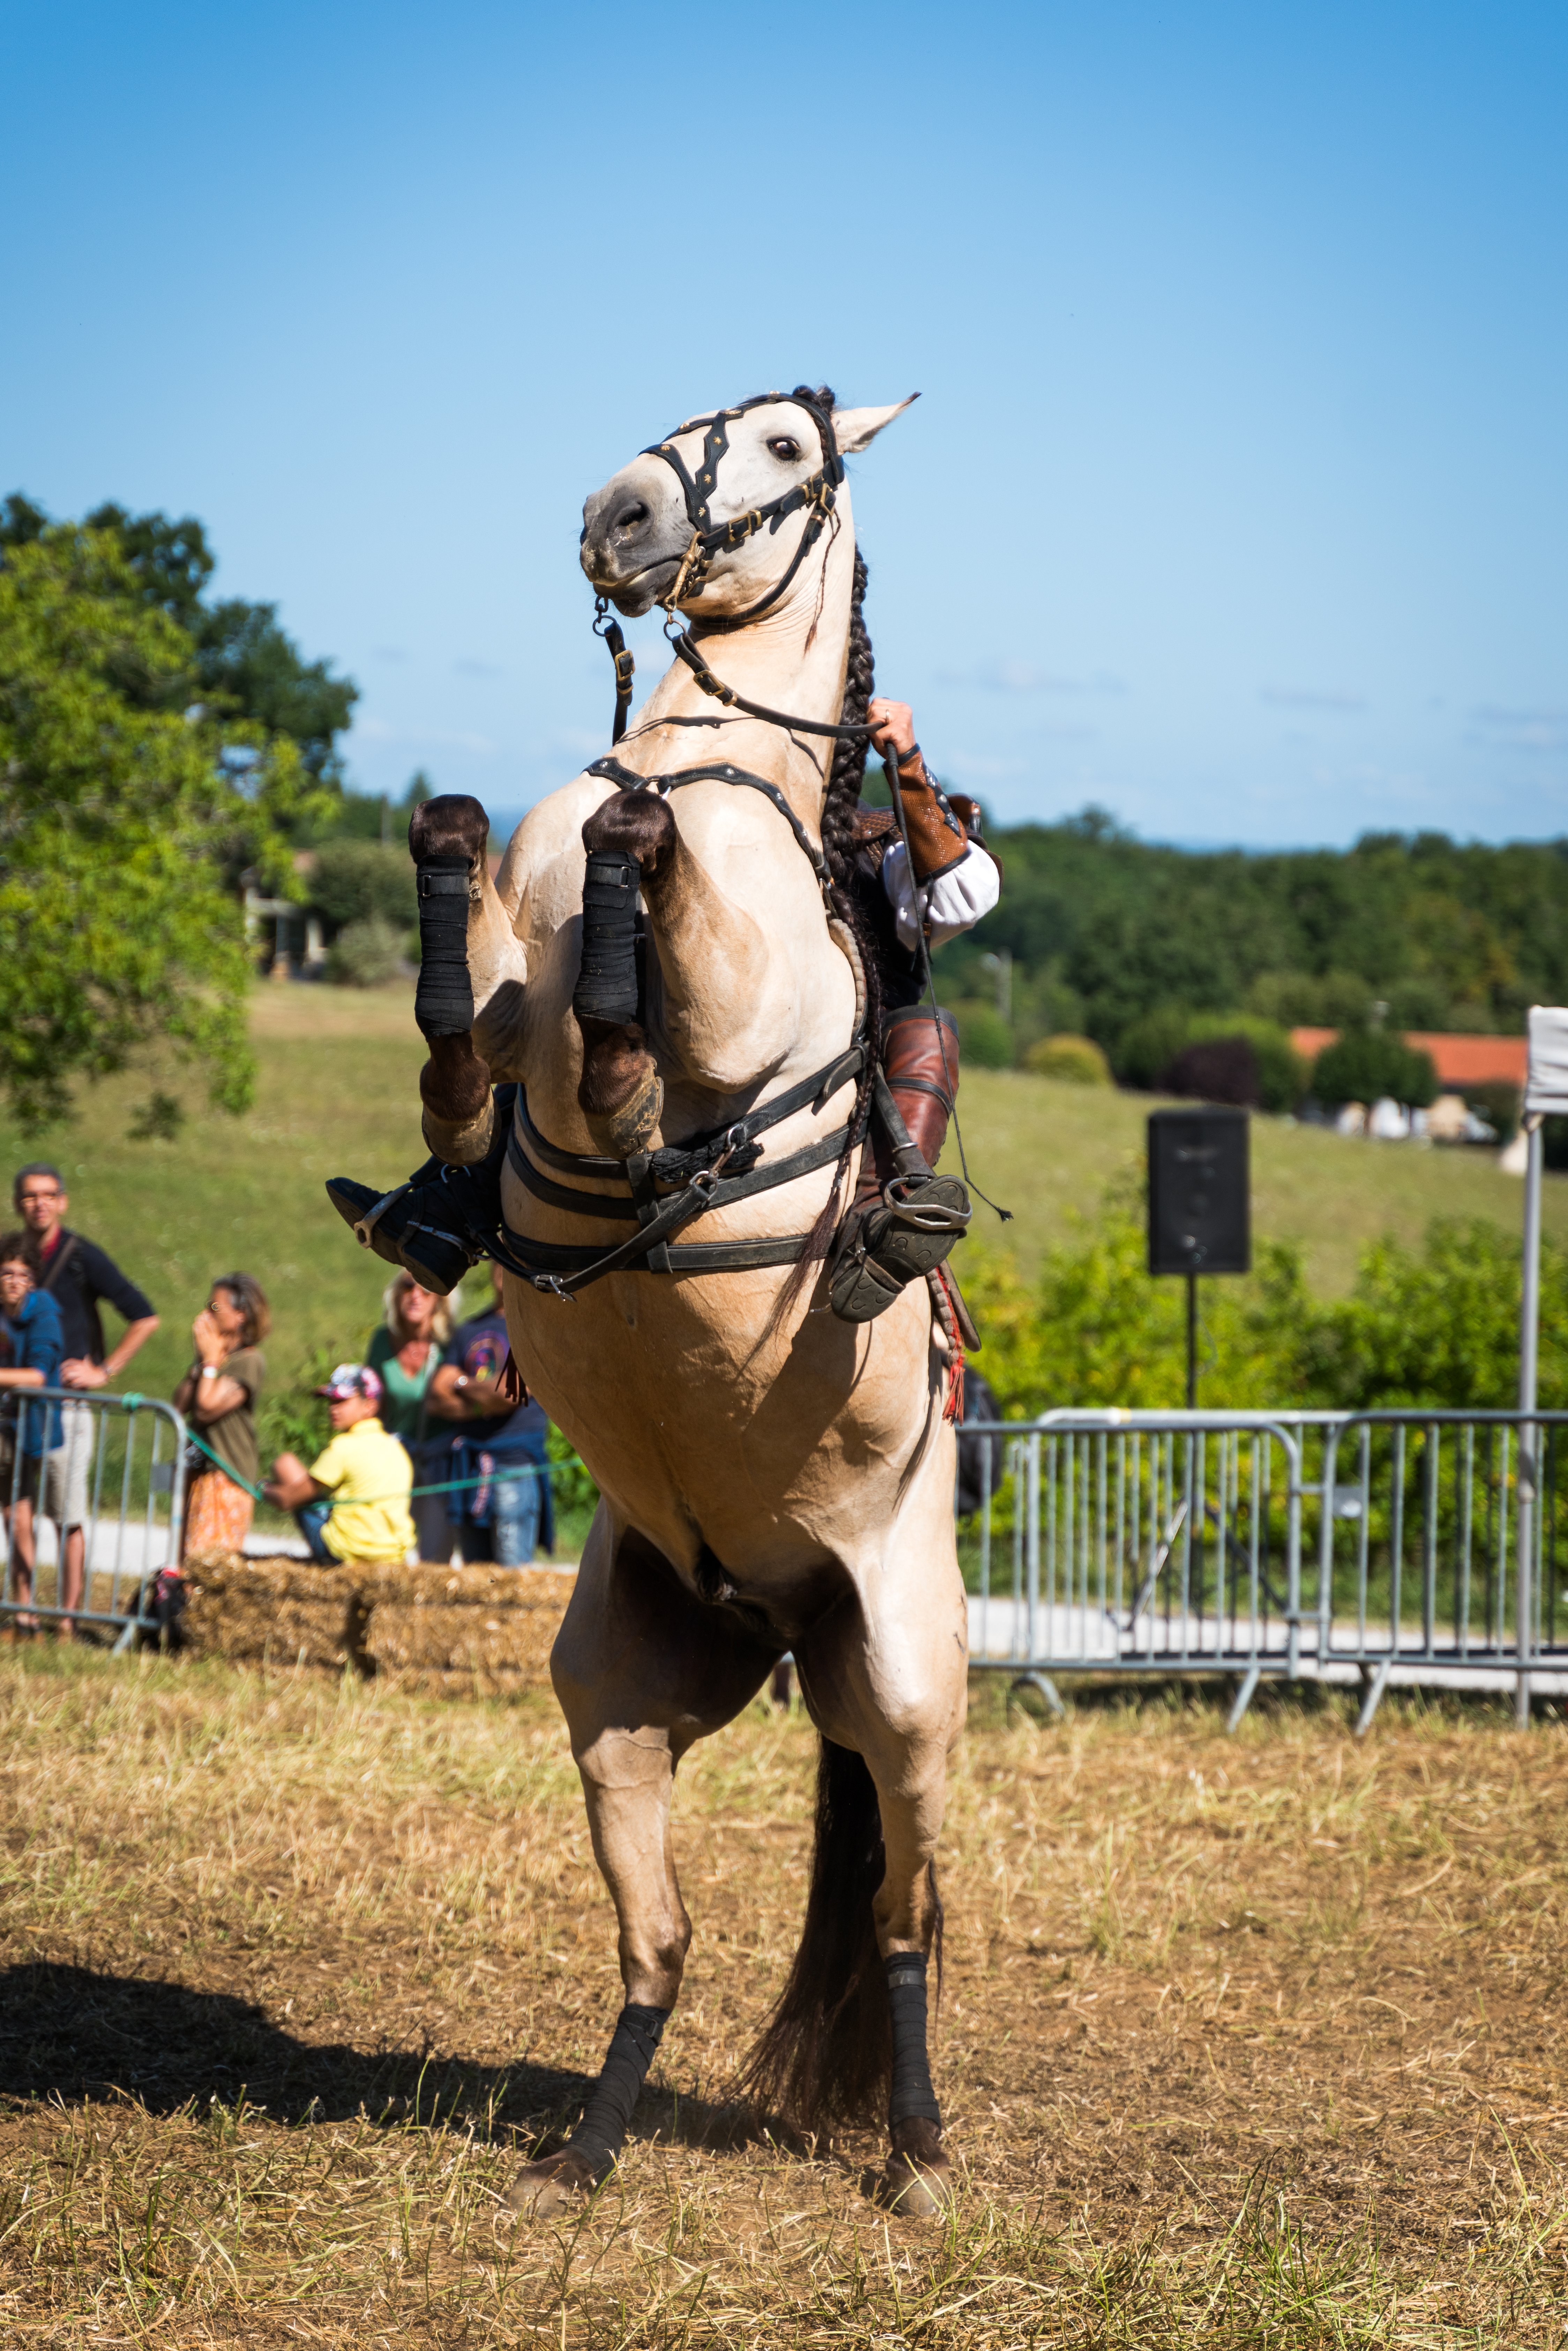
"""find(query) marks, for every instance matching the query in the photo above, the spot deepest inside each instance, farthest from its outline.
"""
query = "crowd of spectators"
(434, 1446)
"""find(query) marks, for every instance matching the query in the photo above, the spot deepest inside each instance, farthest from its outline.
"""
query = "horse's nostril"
(631, 517)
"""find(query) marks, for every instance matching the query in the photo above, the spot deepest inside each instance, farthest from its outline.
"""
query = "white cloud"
(1521, 730)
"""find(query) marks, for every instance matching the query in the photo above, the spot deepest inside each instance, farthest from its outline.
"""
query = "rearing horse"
(772, 1478)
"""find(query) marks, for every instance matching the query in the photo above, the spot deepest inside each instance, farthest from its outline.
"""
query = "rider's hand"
(894, 724)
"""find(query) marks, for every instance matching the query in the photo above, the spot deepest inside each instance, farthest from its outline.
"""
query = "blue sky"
(1234, 498)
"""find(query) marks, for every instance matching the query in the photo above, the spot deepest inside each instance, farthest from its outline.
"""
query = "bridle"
(710, 538)
(670, 1189)
(815, 496)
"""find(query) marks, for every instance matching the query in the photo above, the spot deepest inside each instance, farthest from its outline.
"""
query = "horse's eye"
(784, 449)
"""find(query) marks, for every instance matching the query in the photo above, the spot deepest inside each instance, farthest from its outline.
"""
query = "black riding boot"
(436, 1224)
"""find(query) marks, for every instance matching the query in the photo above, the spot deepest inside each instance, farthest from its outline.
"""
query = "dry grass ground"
(1251, 2042)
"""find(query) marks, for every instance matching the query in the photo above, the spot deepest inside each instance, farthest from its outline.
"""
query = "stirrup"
(896, 1240)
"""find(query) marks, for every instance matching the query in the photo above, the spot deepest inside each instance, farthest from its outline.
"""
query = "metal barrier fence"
(118, 1473)
(1424, 1545)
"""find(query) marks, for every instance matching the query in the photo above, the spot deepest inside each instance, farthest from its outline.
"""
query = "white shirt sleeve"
(954, 902)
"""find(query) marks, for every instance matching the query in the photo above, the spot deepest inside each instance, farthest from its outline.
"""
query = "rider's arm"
(938, 840)
(952, 904)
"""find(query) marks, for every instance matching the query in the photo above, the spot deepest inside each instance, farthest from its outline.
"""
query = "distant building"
(1462, 1062)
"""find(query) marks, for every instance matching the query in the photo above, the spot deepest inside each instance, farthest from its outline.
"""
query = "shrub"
(1152, 1045)
(365, 953)
(293, 1418)
(354, 880)
(1071, 1061)
(985, 1038)
(1365, 1064)
(1435, 1326)
(1439, 1326)
(1097, 1329)
(1281, 1073)
(1216, 1069)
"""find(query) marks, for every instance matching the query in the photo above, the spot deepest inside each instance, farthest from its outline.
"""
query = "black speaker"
(1199, 1196)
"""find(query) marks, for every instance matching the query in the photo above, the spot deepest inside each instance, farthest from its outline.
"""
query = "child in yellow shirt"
(351, 1504)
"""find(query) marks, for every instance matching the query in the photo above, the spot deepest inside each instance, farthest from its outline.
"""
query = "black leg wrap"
(606, 976)
(911, 2092)
(444, 1000)
(598, 2136)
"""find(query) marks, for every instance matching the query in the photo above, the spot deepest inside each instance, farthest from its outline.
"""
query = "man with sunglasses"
(79, 1277)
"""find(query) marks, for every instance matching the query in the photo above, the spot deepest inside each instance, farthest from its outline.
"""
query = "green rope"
(447, 1485)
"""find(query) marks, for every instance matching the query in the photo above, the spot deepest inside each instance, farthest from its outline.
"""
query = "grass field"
(1243, 2043)
(1045, 1151)
(337, 1095)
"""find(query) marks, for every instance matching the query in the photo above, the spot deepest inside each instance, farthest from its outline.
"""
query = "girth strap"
(717, 1192)
(697, 1169)
(550, 1265)
(676, 1163)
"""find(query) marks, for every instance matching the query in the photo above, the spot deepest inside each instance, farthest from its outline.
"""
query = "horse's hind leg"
(889, 1681)
(642, 1669)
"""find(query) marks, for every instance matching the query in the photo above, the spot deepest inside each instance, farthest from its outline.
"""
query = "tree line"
(1108, 935)
(158, 744)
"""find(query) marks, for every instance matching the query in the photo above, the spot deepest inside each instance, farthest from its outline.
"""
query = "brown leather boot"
(921, 1067)
(904, 1219)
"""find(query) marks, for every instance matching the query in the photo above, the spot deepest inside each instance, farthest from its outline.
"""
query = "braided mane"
(840, 802)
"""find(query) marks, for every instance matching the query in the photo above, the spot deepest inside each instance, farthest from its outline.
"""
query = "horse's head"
(728, 500)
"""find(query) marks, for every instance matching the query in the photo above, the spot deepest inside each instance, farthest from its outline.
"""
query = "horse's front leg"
(472, 967)
(715, 966)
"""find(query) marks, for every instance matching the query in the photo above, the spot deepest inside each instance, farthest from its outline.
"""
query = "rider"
(954, 883)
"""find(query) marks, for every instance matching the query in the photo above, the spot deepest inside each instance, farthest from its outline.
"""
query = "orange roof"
(1459, 1060)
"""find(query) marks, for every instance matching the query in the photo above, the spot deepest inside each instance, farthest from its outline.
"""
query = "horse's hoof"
(917, 2180)
(545, 2190)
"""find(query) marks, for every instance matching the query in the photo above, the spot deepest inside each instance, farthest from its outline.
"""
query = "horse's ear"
(857, 428)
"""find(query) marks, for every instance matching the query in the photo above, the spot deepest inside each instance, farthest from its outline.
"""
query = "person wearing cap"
(351, 1504)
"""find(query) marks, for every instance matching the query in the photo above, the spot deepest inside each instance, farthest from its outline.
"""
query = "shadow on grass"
(71, 2036)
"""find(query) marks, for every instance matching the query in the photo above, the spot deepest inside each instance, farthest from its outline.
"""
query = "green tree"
(119, 820)
(356, 881)
(1367, 1064)
(243, 665)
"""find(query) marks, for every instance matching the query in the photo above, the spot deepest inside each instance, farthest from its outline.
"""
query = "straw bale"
(278, 1611)
(495, 1626)
(445, 1629)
